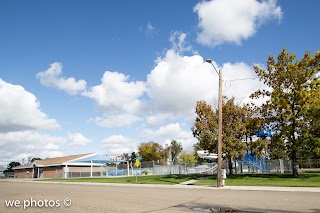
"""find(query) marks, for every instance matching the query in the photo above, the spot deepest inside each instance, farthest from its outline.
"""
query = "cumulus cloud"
(17, 145)
(178, 82)
(231, 21)
(116, 93)
(165, 134)
(52, 78)
(20, 110)
(119, 98)
(78, 139)
(118, 144)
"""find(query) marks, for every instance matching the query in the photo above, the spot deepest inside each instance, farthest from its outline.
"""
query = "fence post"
(153, 167)
(185, 168)
(310, 163)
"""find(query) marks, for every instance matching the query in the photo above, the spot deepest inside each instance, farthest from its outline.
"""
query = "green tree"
(11, 165)
(253, 123)
(165, 155)
(150, 151)
(175, 150)
(34, 159)
(311, 135)
(188, 158)
(205, 129)
(293, 88)
(233, 128)
(133, 157)
(277, 148)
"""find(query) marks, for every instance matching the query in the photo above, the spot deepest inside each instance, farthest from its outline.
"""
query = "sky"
(82, 76)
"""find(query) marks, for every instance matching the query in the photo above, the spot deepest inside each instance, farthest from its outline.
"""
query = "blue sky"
(104, 76)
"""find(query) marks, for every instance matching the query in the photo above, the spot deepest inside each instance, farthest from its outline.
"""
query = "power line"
(241, 79)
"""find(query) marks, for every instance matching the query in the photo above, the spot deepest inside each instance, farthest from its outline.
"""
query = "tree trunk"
(294, 164)
(230, 166)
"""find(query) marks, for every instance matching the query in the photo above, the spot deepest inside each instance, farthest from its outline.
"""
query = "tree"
(11, 165)
(187, 158)
(34, 159)
(253, 123)
(233, 128)
(293, 86)
(311, 136)
(205, 129)
(175, 150)
(150, 151)
(125, 156)
(133, 157)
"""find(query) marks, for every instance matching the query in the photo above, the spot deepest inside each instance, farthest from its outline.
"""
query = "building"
(81, 165)
(1, 171)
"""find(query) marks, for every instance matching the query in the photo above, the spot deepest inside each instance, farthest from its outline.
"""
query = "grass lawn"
(162, 179)
(306, 179)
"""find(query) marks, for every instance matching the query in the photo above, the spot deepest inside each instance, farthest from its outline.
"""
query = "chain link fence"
(266, 166)
(156, 168)
(309, 164)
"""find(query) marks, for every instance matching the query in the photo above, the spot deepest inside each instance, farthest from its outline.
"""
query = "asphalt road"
(29, 197)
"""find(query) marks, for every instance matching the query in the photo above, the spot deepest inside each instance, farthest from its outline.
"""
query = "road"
(91, 198)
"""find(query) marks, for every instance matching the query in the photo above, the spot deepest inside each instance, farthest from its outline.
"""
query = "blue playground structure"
(264, 134)
(251, 159)
(256, 164)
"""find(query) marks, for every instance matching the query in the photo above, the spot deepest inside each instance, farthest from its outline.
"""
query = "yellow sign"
(137, 163)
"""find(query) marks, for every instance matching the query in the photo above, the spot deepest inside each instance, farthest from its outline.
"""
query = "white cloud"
(116, 93)
(52, 78)
(20, 110)
(240, 81)
(17, 145)
(150, 27)
(118, 144)
(231, 21)
(116, 120)
(178, 82)
(157, 118)
(165, 134)
(178, 42)
(118, 98)
(78, 139)
(151, 30)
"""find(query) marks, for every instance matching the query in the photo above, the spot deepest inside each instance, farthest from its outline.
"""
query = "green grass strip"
(161, 179)
(306, 179)
(285, 180)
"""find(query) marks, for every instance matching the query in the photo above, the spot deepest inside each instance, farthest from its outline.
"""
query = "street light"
(219, 175)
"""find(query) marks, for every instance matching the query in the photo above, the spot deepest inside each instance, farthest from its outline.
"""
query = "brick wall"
(23, 173)
(53, 172)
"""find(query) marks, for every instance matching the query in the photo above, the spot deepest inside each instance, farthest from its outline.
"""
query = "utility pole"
(219, 178)
(219, 172)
